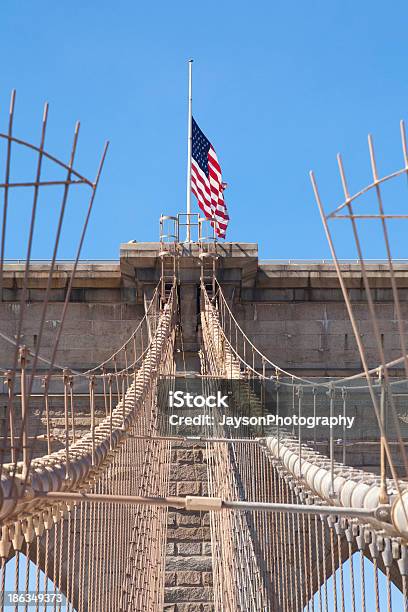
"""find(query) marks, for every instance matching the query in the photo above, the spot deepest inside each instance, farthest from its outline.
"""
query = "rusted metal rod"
(299, 509)
(43, 183)
(191, 502)
(175, 502)
(198, 439)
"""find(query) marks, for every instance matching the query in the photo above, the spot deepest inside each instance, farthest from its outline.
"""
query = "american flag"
(206, 181)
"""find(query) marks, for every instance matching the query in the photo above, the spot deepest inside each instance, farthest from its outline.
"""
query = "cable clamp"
(203, 503)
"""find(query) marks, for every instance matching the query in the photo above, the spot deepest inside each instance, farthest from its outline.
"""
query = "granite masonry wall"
(294, 313)
(188, 560)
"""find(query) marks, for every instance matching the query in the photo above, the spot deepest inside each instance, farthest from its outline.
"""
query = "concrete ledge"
(88, 275)
(309, 275)
(238, 265)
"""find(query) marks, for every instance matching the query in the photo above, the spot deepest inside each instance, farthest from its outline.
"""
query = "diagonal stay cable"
(6, 189)
(68, 293)
(27, 265)
(47, 295)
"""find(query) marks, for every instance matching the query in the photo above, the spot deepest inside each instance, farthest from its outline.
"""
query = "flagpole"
(189, 144)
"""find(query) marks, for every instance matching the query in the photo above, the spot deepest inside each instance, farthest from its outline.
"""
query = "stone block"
(190, 471)
(78, 326)
(188, 534)
(126, 327)
(98, 295)
(75, 357)
(189, 456)
(83, 341)
(189, 520)
(305, 341)
(132, 312)
(188, 578)
(207, 578)
(188, 594)
(188, 488)
(274, 295)
(188, 562)
(267, 340)
(188, 548)
(170, 579)
(129, 295)
(311, 326)
(329, 295)
(253, 325)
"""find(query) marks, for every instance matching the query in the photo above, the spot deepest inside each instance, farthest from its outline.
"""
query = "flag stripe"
(202, 199)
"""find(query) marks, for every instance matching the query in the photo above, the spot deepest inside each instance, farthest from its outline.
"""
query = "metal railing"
(62, 261)
(329, 261)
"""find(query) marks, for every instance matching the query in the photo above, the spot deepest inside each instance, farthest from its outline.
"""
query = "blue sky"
(279, 88)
